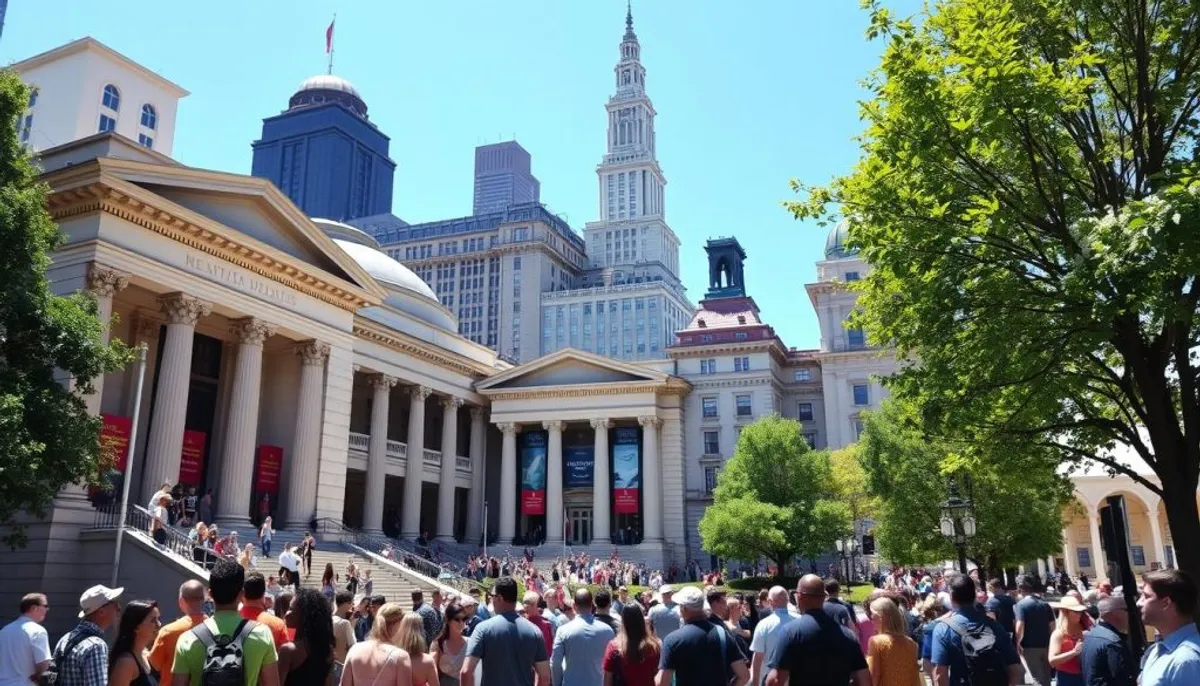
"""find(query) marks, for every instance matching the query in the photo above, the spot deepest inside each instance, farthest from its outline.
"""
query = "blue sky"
(749, 93)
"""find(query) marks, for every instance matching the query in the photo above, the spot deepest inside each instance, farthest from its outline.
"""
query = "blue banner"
(580, 465)
(626, 469)
(533, 473)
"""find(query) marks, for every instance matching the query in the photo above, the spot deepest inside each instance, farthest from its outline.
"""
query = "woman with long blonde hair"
(410, 637)
(1066, 641)
(378, 661)
(891, 654)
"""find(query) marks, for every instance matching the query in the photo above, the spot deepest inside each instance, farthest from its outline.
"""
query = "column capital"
(508, 427)
(105, 281)
(478, 414)
(650, 420)
(553, 425)
(418, 394)
(382, 381)
(312, 353)
(184, 309)
(252, 331)
(451, 403)
(601, 424)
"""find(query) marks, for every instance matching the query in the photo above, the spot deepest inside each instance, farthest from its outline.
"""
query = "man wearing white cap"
(82, 655)
(701, 652)
(665, 615)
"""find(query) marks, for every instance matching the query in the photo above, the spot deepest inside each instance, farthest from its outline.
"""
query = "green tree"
(47, 437)
(849, 481)
(1027, 196)
(774, 498)
(1018, 495)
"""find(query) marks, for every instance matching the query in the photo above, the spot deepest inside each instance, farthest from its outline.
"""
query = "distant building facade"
(325, 154)
(503, 177)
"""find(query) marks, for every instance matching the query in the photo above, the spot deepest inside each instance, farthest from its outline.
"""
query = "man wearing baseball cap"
(701, 652)
(82, 655)
(665, 616)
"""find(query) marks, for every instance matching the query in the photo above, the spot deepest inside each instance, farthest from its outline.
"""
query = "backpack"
(224, 658)
(981, 650)
(50, 677)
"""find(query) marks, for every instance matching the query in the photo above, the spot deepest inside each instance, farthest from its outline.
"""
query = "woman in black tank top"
(308, 659)
(127, 665)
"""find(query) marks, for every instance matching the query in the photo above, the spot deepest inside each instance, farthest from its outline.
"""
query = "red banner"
(114, 437)
(533, 502)
(191, 460)
(625, 500)
(266, 474)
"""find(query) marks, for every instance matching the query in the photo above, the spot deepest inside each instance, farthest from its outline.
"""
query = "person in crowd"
(246, 558)
(163, 489)
(700, 652)
(665, 616)
(253, 607)
(377, 660)
(309, 545)
(949, 658)
(160, 519)
(307, 660)
(1034, 624)
(510, 648)
(266, 532)
(1168, 604)
(438, 605)
(428, 615)
(815, 646)
(581, 643)
(329, 583)
(930, 610)
(24, 643)
(206, 503)
(633, 655)
(368, 584)
(191, 608)
(411, 638)
(471, 618)
(766, 632)
(366, 620)
(603, 601)
(1001, 606)
(352, 577)
(283, 602)
(127, 662)
(343, 630)
(289, 566)
(82, 654)
(225, 585)
(1066, 641)
(720, 612)
(891, 652)
(531, 604)
(839, 610)
(1106, 658)
(450, 646)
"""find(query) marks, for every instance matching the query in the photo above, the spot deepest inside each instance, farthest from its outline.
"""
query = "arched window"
(149, 117)
(112, 98)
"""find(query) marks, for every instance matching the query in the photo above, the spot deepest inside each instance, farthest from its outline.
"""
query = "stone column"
(1069, 560)
(601, 490)
(1160, 552)
(381, 385)
(103, 284)
(241, 432)
(508, 483)
(554, 482)
(1099, 565)
(651, 480)
(477, 451)
(170, 408)
(410, 521)
(445, 519)
(306, 440)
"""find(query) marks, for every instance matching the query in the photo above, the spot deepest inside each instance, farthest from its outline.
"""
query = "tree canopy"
(1018, 496)
(1027, 197)
(47, 437)
(774, 498)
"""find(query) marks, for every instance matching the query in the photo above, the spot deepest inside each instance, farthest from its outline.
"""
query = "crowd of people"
(580, 568)
(244, 629)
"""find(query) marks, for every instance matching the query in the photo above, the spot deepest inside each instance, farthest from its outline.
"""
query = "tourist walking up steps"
(81, 656)
(1168, 604)
(191, 605)
(24, 643)
(137, 630)
(376, 660)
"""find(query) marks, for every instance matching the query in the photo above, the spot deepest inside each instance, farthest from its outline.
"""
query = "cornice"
(106, 197)
(582, 391)
(414, 347)
(536, 245)
(734, 383)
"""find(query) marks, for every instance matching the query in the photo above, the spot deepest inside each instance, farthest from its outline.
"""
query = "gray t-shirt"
(665, 618)
(1037, 615)
(509, 646)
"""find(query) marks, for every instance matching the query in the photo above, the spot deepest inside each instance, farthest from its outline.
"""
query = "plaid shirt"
(87, 665)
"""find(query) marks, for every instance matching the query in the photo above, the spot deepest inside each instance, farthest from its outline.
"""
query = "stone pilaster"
(103, 283)
(410, 521)
(381, 385)
(306, 442)
(445, 519)
(508, 483)
(554, 482)
(237, 471)
(675, 527)
(601, 489)
(651, 481)
(476, 451)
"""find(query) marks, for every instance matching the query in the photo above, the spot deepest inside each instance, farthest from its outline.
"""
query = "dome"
(837, 244)
(327, 88)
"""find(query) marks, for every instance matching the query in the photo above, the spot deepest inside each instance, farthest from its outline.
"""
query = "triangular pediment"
(570, 367)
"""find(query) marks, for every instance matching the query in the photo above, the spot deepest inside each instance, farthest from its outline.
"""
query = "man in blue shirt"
(1169, 604)
(1034, 624)
(1106, 660)
(949, 660)
(581, 642)
(511, 649)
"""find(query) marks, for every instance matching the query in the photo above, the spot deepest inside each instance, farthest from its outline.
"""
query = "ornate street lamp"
(846, 548)
(958, 519)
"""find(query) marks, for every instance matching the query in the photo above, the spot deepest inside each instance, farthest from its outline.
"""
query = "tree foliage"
(1018, 496)
(1028, 199)
(849, 481)
(47, 437)
(774, 498)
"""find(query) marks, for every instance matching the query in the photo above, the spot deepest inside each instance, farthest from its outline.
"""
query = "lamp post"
(958, 520)
(846, 548)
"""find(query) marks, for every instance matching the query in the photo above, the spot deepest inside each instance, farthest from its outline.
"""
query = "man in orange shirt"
(253, 608)
(191, 604)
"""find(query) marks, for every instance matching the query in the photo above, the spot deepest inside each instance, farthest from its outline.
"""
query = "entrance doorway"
(579, 525)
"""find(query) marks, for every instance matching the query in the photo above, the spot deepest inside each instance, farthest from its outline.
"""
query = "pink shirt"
(866, 629)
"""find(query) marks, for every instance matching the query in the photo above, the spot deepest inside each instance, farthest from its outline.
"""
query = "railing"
(398, 552)
(463, 464)
(432, 458)
(397, 449)
(138, 519)
(360, 442)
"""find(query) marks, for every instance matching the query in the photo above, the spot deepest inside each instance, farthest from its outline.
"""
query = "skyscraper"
(502, 177)
(325, 154)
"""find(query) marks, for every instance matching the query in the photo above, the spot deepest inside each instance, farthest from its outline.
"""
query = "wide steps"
(388, 582)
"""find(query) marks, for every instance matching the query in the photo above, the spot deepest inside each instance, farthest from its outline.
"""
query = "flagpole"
(331, 29)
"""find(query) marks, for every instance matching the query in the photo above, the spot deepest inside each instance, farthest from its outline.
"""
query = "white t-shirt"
(23, 645)
(289, 561)
(765, 634)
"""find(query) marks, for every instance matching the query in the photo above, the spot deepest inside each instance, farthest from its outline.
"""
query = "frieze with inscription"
(240, 279)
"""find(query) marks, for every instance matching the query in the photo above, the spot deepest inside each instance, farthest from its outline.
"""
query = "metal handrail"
(399, 552)
(139, 519)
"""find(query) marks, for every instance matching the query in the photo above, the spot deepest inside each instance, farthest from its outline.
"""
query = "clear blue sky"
(749, 93)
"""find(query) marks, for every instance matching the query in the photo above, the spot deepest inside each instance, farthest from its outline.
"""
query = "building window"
(855, 338)
(26, 128)
(107, 123)
(112, 98)
(517, 264)
(145, 140)
(741, 364)
(706, 338)
(1085, 557)
(710, 479)
(709, 405)
(33, 96)
(861, 394)
(1139, 555)
(744, 408)
(712, 444)
(810, 437)
(149, 117)
(708, 366)
(741, 335)
(852, 276)
(804, 412)
(802, 375)
(858, 428)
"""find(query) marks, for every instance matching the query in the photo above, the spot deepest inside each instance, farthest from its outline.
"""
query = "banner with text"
(267, 466)
(533, 473)
(115, 433)
(581, 463)
(191, 458)
(626, 468)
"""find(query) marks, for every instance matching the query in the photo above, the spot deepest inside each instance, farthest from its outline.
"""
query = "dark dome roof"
(327, 88)
(837, 243)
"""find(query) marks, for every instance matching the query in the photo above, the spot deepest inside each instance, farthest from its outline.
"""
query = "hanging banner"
(191, 459)
(115, 434)
(626, 467)
(533, 473)
(266, 470)
(581, 463)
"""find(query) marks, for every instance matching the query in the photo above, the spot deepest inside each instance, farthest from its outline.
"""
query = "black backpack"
(224, 656)
(981, 650)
